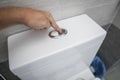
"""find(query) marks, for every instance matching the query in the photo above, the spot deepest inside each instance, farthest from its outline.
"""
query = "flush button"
(55, 34)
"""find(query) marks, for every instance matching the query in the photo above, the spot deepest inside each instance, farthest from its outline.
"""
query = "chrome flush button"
(55, 34)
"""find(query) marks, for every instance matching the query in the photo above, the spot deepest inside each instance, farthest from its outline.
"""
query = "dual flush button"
(55, 34)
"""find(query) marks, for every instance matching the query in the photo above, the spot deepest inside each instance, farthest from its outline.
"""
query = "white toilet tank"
(34, 55)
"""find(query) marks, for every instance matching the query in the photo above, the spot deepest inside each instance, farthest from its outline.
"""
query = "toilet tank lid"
(31, 45)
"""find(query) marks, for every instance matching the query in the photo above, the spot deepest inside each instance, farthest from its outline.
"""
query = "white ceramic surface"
(33, 55)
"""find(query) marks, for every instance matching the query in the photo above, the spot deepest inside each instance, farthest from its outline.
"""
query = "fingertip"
(54, 25)
(60, 31)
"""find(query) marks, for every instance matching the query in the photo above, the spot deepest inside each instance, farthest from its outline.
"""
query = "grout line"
(2, 76)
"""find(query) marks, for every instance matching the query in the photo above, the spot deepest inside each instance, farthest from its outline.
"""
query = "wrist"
(13, 15)
(25, 15)
(17, 14)
(22, 13)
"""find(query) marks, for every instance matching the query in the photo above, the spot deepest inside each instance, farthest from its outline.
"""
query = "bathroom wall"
(110, 49)
(114, 72)
(116, 21)
(102, 11)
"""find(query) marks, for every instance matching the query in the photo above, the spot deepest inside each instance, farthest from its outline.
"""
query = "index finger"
(54, 24)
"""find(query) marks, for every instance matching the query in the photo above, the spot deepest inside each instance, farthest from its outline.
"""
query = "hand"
(40, 20)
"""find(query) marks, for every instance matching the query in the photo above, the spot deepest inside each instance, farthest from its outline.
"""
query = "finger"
(54, 25)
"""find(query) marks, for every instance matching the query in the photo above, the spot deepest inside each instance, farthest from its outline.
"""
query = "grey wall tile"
(110, 49)
(50, 3)
(59, 8)
(114, 72)
(5, 71)
(3, 51)
(102, 14)
(116, 21)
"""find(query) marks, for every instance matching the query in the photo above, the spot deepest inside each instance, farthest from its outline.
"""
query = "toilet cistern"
(47, 55)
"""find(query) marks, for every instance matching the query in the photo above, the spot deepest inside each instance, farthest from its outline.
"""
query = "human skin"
(36, 19)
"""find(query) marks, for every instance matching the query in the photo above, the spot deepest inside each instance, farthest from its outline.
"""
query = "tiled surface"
(116, 21)
(102, 15)
(3, 51)
(114, 72)
(4, 70)
(46, 4)
(110, 49)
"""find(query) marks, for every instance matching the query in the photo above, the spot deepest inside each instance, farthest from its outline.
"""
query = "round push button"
(55, 34)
